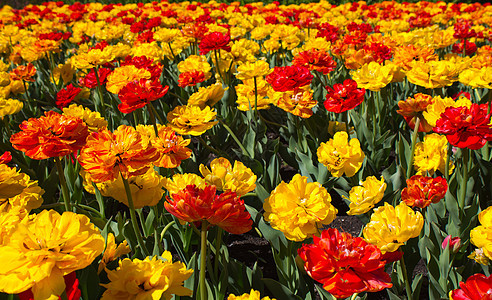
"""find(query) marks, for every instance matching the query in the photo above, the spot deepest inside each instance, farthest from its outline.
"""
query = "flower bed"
(143, 142)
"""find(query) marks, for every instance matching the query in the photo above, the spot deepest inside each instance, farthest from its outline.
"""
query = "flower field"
(137, 140)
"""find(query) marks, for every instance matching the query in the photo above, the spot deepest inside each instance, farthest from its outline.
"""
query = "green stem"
(27, 93)
(249, 195)
(99, 91)
(51, 61)
(88, 208)
(271, 123)
(163, 232)
(171, 49)
(133, 216)
(157, 236)
(177, 96)
(218, 244)
(408, 289)
(153, 120)
(448, 158)
(412, 151)
(63, 184)
(203, 261)
(319, 78)
(256, 98)
(217, 65)
(152, 107)
(51, 205)
(464, 47)
(465, 152)
(345, 120)
(142, 222)
(238, 142)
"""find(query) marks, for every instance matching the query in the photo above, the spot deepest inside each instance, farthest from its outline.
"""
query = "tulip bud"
(454, 243)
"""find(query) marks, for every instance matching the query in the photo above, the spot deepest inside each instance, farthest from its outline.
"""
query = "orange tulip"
(51, 135)
(107, 153)
(226, 210)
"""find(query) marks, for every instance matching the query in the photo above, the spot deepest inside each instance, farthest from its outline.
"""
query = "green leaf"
(149, 222)
(417, 284)
(279, 290)
(324, 293)
(89, 283)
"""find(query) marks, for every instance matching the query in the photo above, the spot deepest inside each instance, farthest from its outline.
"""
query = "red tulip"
(345, 265)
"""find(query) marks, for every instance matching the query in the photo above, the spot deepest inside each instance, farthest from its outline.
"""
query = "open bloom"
(146, 189)
(214, 41)
(226, 210)
(480, 236)
(345, 265)
(123, 75)
(413, 108)
(26, 73)
(197, 69)
(340, 155)
(93, 58)
(9, 107)
(363, 198)
(372, 76)
(299, 208)
(70, 93)
(390, 227)
(315, 60)
(72, 289)
(107, 153)
(50, 135)
(248, 96)
(192, 120)
(180, 181)
(207, 96)
(18, 191)
(466, 127)
(434, 110)
(343, 97)
(249, 70)
(252, 295)
(479, 256)
(191, 78)
(289, 78)
(147, 279)
(433, 74)
(476, 287)
(137, 94)
(43, 249)
(477, 77)
(170, 146)
(421, 191)
(112, 251)
(92, 119)
(431, 155)
(298, 102)
(238, 178)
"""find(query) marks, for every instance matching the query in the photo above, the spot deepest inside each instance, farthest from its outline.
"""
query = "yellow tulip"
(299, 209)
(390, 227)
(363, 198)
(341, 156)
